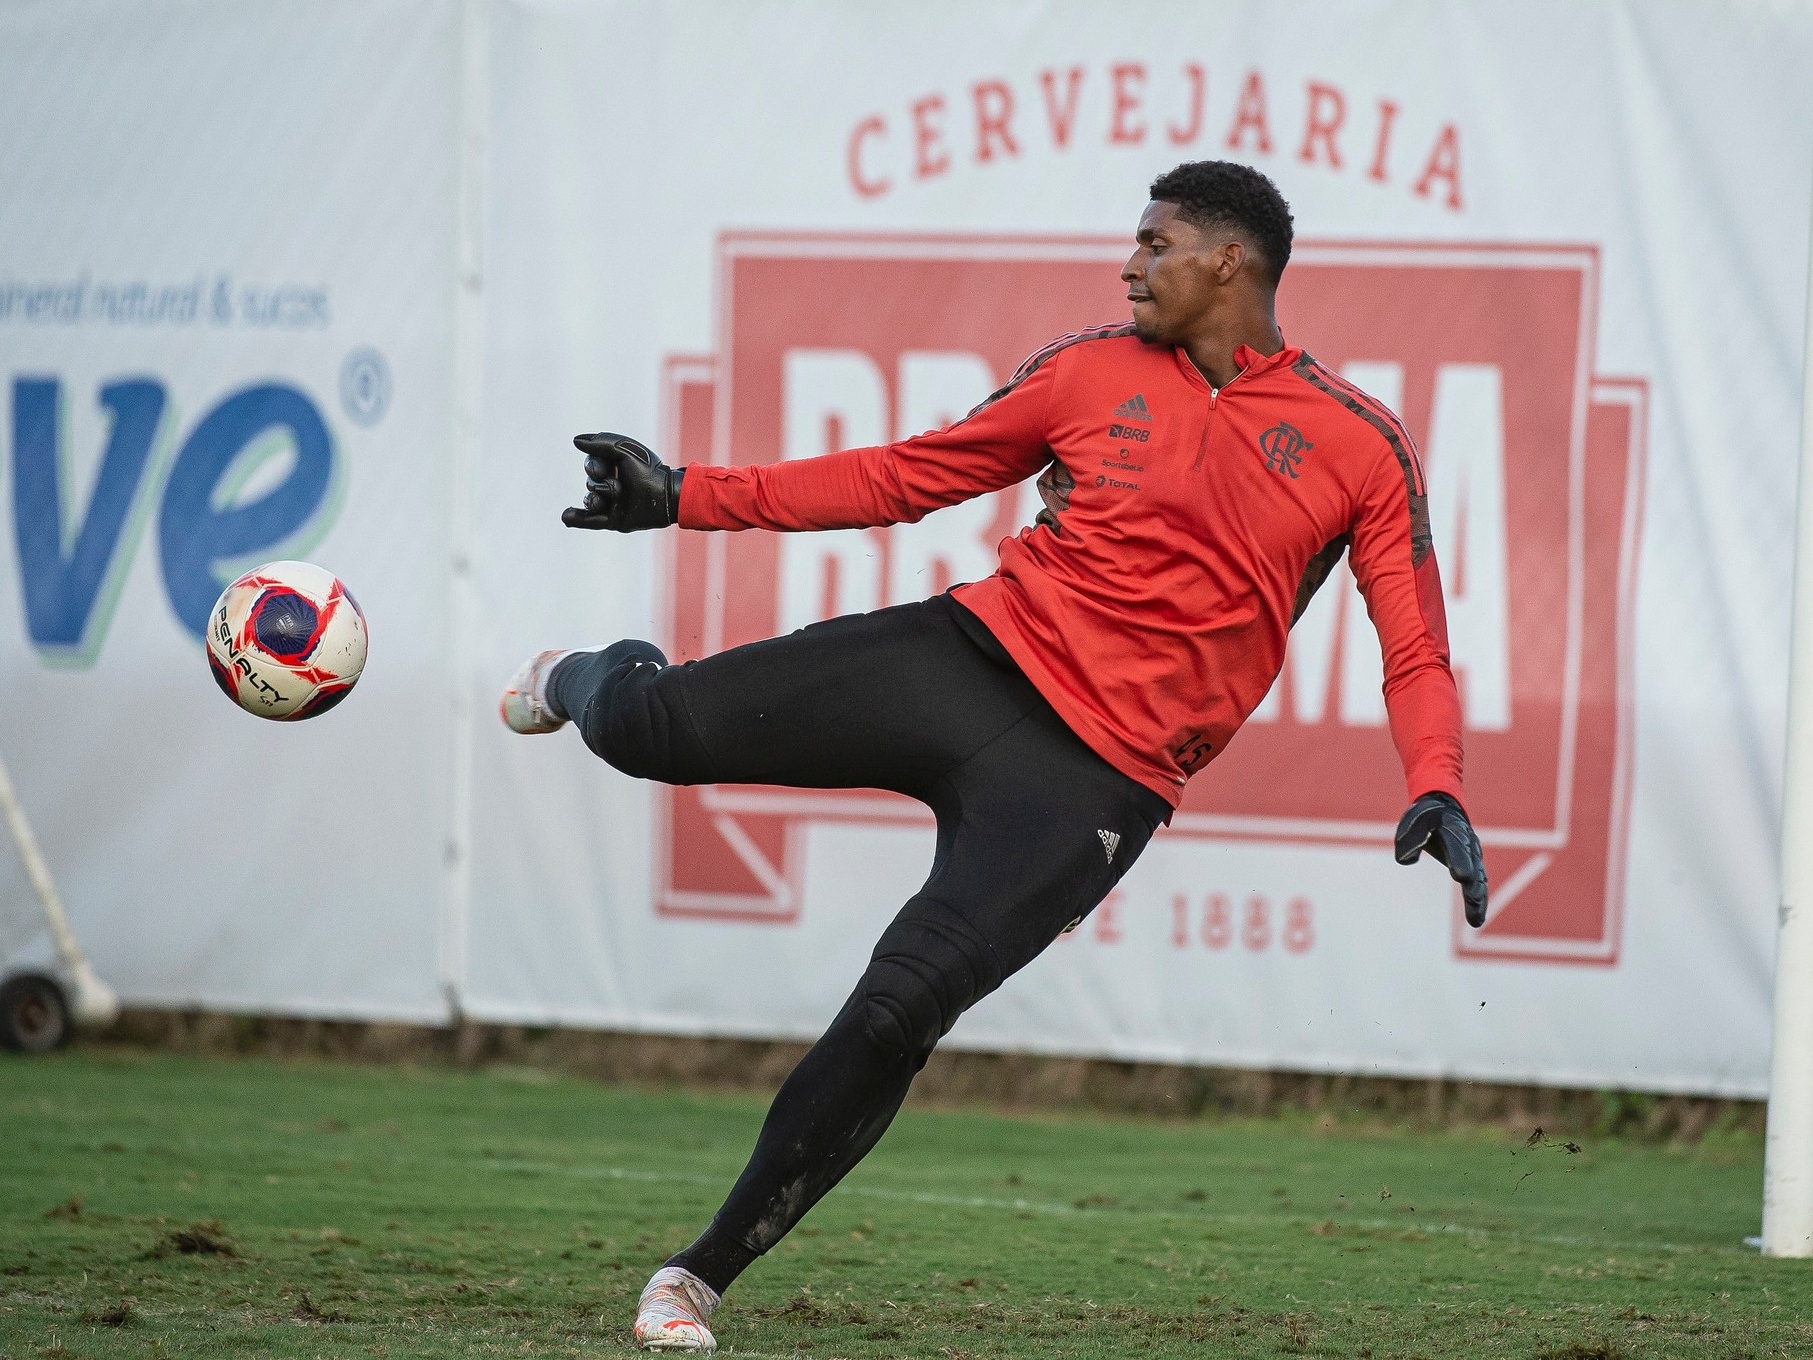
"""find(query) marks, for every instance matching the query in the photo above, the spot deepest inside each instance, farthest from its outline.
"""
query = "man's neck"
(1212, 348)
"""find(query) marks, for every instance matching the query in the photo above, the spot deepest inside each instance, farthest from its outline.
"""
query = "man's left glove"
(626, 486)
(1437, 823)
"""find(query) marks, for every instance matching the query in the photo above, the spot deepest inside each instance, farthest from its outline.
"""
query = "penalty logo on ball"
(287, 641)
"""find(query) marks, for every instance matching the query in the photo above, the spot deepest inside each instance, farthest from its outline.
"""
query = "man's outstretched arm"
(999, 444)
(1395, 566)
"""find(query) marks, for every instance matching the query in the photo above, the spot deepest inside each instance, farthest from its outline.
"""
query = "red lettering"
(1444, 164)
(1299, 926)
(1250, 113)
(1129, 79)
(1062, 118)
(1327, 111)
(1199, 85)
(867, 128)
(1387, 112)
(1256, 933)
(1180, 921)
(929, 155)
(1217, 922)
(994, 112)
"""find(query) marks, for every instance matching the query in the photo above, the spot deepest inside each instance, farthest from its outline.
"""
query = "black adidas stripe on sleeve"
(1038, 357)
(1394, 433)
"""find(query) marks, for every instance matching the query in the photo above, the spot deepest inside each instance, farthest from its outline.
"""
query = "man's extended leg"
(885, 700)
(1034, 830)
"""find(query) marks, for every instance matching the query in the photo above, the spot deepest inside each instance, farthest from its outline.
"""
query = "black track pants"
(1034, 829)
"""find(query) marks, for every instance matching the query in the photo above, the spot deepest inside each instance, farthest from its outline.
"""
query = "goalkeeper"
(1201, 478)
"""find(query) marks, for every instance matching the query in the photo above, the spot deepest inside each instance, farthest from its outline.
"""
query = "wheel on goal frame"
(34, 1014)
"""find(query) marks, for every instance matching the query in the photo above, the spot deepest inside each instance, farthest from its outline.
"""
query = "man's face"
(1174, 274)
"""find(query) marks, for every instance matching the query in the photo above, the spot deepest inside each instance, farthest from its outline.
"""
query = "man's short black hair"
(1228, 194)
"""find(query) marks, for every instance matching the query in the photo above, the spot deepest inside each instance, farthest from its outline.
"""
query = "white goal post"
(1788, 1152)
(91, 1001)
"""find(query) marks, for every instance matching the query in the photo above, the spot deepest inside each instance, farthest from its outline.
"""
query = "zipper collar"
(1250, 361)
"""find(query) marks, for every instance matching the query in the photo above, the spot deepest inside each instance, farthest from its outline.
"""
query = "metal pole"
(1788, 1152)
(93, 1001)
(468, 413)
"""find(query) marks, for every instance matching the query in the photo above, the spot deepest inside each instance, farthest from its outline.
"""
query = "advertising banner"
(226, 303)
(1567, 245)
(850, 228)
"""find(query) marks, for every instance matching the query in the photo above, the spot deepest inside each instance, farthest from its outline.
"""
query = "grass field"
(157, 1206)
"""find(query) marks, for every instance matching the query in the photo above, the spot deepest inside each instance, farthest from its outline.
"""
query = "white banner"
(226, 302)
(1568, 246)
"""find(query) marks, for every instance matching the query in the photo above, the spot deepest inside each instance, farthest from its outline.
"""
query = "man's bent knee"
(903, 1013)
(929, 968)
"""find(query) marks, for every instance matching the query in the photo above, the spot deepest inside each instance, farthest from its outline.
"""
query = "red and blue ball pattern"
(287, 641)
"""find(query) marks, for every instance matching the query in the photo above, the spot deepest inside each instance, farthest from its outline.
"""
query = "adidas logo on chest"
(1132, 420)
(1134, 408)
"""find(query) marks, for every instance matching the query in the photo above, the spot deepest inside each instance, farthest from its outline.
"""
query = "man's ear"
(1228, 257)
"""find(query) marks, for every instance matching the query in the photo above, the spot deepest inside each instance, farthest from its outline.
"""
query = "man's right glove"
(626, 486)
(1437, 823)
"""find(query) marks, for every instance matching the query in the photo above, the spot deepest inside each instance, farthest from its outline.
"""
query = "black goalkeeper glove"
(626, 486)
(1438, 824)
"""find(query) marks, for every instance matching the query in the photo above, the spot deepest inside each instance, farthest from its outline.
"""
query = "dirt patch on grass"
(309, 1312)
(116, 1315)
(807, 1311)
(198, 1239)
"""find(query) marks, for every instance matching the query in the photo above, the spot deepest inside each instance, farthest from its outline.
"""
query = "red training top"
(1186, 529)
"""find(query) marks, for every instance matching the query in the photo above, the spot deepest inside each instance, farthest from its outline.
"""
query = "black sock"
(551, 690)
(716, 1258)
(575, 679)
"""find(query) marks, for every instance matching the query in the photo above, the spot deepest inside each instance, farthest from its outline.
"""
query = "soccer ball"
(286, 641)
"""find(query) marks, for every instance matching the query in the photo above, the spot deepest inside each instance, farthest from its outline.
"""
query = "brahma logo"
(1534, 467)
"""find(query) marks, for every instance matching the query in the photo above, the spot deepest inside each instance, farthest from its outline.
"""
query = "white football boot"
(524, 707)
(670, 1315)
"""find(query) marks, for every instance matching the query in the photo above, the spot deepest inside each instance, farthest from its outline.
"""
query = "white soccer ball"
(286, 641)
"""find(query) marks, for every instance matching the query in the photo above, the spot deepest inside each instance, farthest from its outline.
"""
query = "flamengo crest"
(1284, 447)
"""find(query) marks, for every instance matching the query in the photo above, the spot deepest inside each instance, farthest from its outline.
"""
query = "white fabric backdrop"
(207, 859)
(601, 210)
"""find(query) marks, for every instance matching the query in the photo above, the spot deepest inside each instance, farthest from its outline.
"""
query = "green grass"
(396, 1211)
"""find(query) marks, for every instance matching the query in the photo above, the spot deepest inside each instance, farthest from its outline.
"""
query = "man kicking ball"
(1051, 714)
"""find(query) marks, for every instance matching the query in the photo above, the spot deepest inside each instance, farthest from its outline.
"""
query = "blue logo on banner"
(365, 386)
(220, 512)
